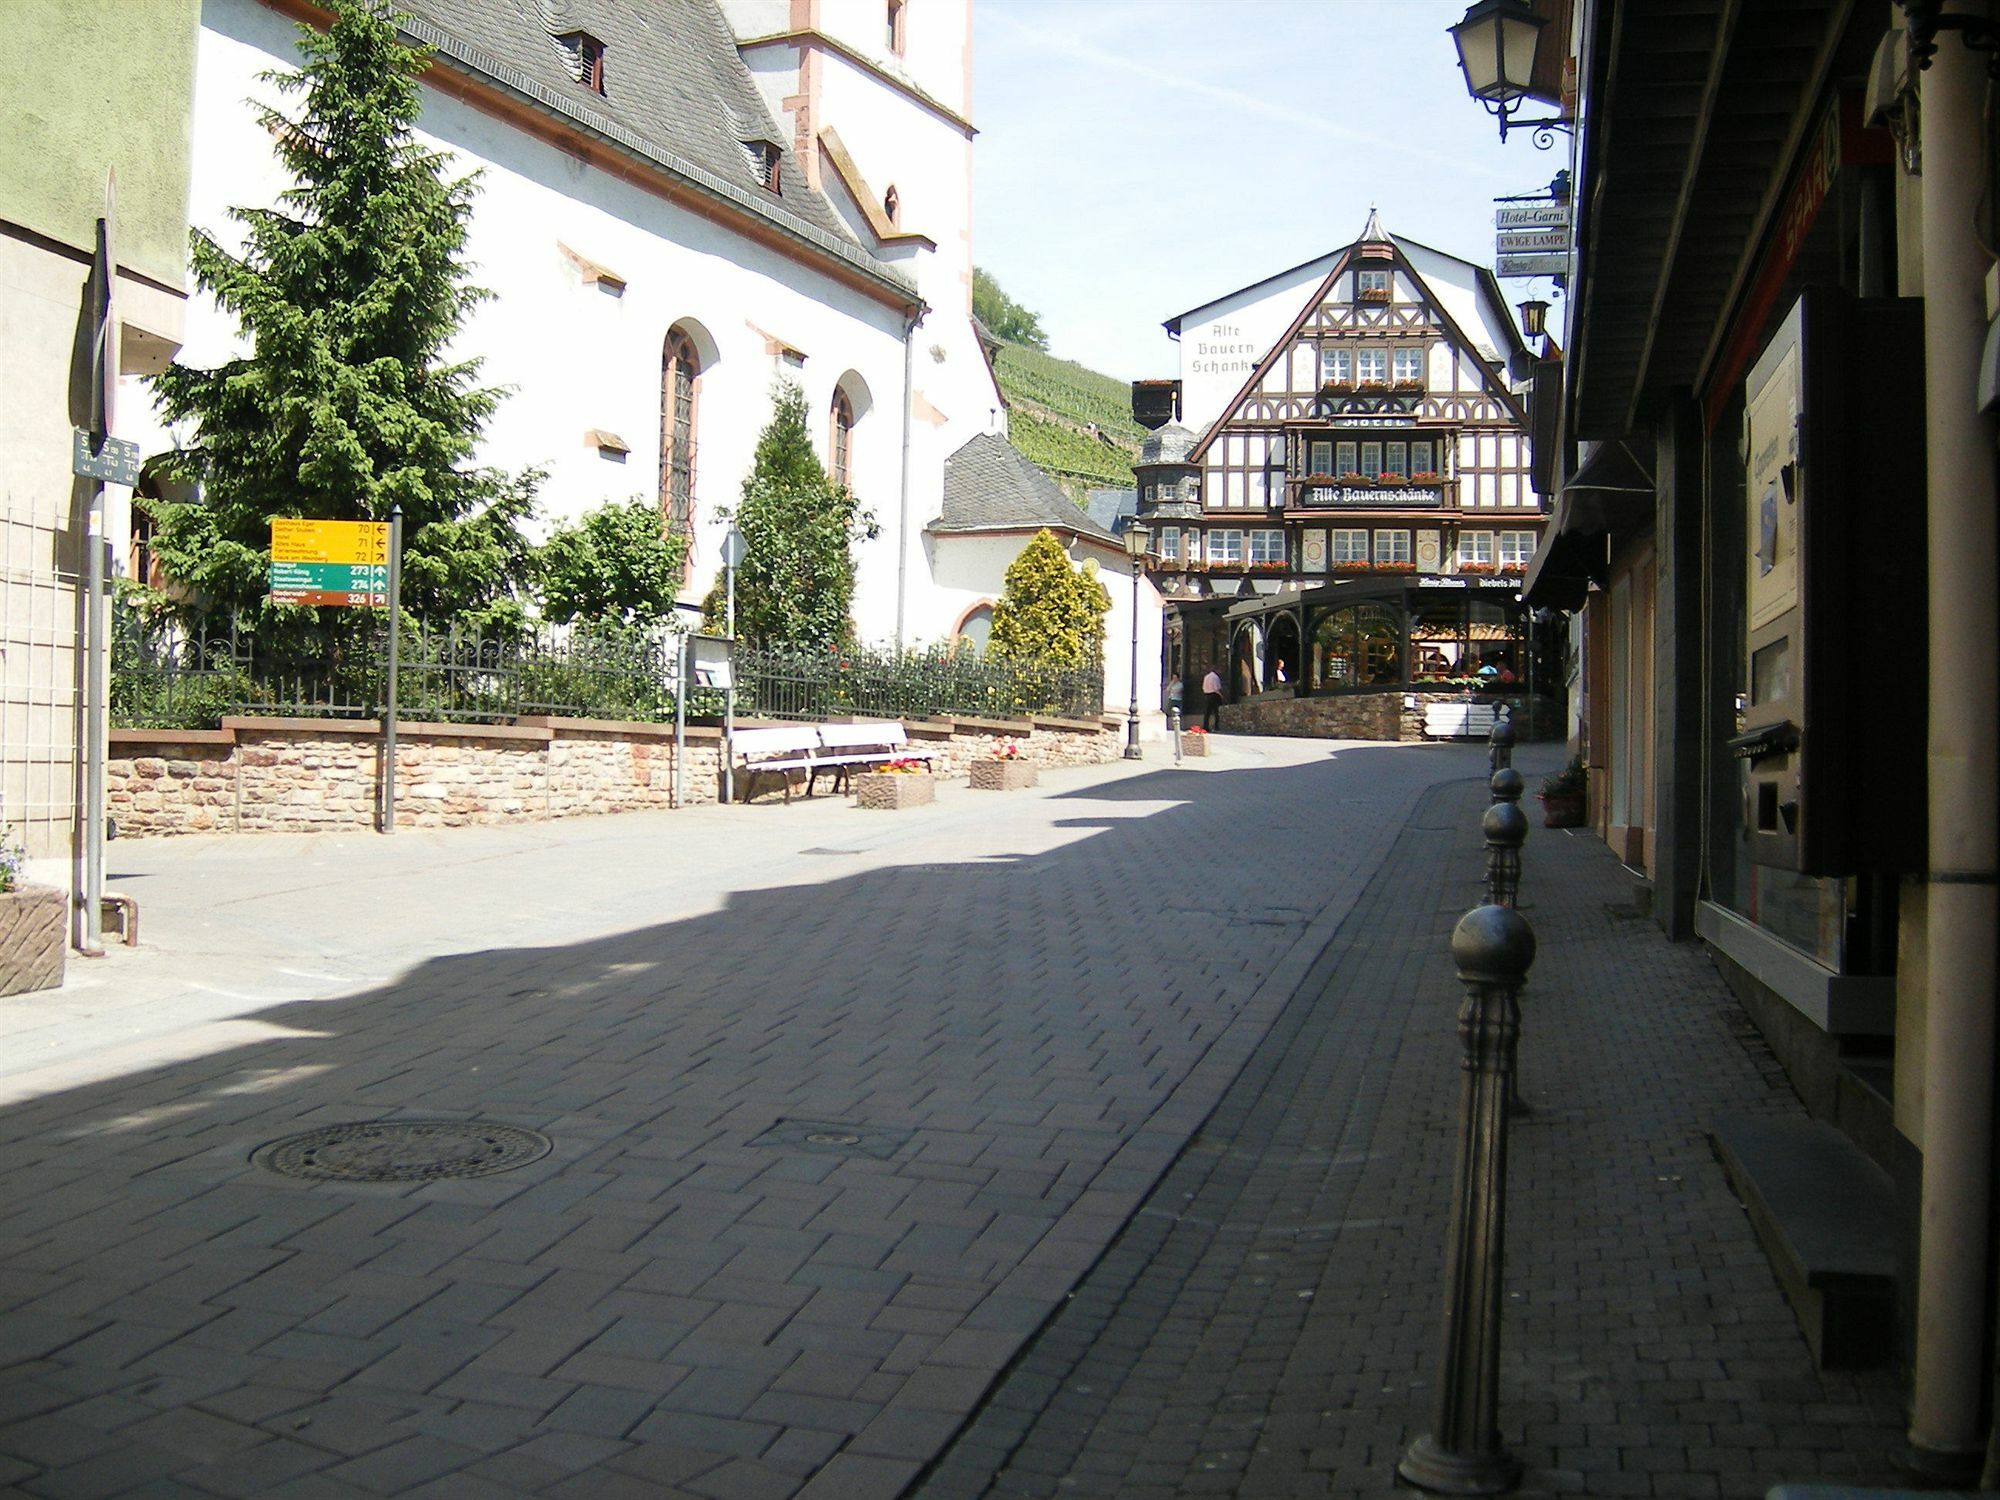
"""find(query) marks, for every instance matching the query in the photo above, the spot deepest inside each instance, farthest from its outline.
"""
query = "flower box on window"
(1350, 477)
(1373, 294)
(1475, 567)
(1390, 478)
(1356, 566)
(1396, 567)
(1513, 567)
(1371, 385)
(1337, 387)
(1271, 565)
(1407, 385)
(1425, 476)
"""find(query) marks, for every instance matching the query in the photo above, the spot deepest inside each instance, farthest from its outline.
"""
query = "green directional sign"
(329, 583)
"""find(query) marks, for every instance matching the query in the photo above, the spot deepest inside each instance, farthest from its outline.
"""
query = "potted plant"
(896, 784)
(1194, 740)
(33, 928)
(1003, 771)
(1564, 795)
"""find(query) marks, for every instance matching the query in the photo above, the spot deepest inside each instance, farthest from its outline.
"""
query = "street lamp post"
(1137, 540)
(1496, 44)
(733, 548)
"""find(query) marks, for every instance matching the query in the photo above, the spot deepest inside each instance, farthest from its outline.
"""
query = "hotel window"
(1169, 544)
(1396, 458)
(1347, 460)
(1225, 546)
(1372, 286)
(1409, 364)
(1336, 366)
(1350, 546)
(1267, 547)
(1372, 366)
(1371, 460)
(1392, 547)
(1475, 547)
(1423, 458)
(1322, 458)
(1517, 548)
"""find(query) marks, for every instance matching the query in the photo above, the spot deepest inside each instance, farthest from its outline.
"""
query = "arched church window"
(841, 448)
(680, 386)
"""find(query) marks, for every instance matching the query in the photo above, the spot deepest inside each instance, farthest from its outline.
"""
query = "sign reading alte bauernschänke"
(329, 562)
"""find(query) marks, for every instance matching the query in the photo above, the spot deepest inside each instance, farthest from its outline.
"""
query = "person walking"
(1211, 688)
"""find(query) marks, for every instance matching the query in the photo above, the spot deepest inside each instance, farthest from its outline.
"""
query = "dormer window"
(895, 18)
(583, 55)
(892, 206)
(1371, 286)
(764, 162)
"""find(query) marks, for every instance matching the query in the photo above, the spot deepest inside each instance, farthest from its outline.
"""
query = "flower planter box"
(1194, 744)
(1002, 775)
(34, 938)
(1562, 809)
(889, 790)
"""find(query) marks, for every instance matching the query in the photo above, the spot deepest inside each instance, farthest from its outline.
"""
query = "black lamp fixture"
(1926, 18)
(1138, 542)
(1534, 318)
(1496, 41)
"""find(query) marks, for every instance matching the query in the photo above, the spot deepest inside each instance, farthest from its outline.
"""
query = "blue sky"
(1137, 158)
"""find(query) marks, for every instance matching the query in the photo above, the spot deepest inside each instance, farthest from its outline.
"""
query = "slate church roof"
(677, 97)
(989, 486)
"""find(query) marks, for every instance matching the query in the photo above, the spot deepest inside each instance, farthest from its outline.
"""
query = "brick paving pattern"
(1267, 1323)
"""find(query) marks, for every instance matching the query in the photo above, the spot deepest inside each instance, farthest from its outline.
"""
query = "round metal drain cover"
(403, 1151)
(831, 1138)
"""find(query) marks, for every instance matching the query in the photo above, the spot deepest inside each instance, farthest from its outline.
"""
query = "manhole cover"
(403, 1151)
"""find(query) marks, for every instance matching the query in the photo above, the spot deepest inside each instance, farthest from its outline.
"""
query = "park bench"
(1458, 721)
(813, 748)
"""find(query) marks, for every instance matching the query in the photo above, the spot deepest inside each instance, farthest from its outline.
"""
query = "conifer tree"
(795, 587)
(349, 292)
(1050, 612)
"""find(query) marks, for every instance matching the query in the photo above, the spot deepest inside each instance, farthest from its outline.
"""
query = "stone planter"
(1002, 775)
(34, 938)
(1562, 809)
(893, 789)
(1194, 745)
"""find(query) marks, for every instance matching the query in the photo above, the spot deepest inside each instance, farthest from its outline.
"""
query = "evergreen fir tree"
(1050, 612)
(795, 587)
(349, 292)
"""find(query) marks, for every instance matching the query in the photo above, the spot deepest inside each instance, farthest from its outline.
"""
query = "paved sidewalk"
(1266, 1325)
(1020, 1006)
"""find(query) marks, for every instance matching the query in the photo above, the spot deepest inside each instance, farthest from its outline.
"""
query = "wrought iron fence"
(167, 673)
(892, 685)
(172, 674)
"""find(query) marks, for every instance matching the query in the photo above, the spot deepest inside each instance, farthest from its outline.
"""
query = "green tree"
(795, 587)
(617, 563)
(349, 292)
(1003, 316)
(1050, 611)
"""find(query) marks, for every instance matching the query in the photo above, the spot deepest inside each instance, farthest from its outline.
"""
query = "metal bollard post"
(1174, 723)
(1462, 1454)
(1500, 740)
(1506, 829)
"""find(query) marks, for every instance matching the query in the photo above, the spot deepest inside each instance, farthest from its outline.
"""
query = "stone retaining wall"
(1393, 715)
(324, 775)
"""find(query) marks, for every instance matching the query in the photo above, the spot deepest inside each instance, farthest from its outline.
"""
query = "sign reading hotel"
(1532, 238)
(329, 562)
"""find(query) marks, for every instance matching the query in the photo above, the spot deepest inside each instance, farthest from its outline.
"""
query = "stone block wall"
(1368, 716)
(321, 775)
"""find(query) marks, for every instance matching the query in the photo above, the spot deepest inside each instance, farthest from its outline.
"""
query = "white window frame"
(1517, 548)
(1346, 458)
(1349, 546)
(1396, 458)
(1225, 546)
(1371, 460)
(1408, 364)
(1170, 545)
(1475, 547)
(1371, 281)
(1423, 457)
(1392, 546)
(1267, 546)
(1371, 366)
(1335, 365)
(1320, 451)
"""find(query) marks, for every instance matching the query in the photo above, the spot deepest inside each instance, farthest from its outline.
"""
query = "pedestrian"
(1174, 694)
(1211, 689)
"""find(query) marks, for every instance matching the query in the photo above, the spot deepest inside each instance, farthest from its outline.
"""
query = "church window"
(765, 159)
(680, 385)
(842, 447)
(895, 26)
(892, 205)
(583, 56)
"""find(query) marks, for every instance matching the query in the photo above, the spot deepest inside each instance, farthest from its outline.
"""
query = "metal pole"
(96, 673)
(729, 689)
(1462, 1454)
(1132, 721)
(1174, 722)
(395, 634)
(680, 721)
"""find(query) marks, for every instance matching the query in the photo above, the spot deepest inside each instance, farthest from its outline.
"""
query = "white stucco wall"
(1221, 342)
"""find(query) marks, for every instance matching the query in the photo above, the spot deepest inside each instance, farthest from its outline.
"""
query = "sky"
(1138, 158)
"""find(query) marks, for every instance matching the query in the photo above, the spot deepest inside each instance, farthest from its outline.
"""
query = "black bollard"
(1500, 739)
(1506, 829)
(1462, 1454)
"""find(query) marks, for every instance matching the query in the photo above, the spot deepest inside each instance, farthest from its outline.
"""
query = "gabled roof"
(989, 486)
(678, 98)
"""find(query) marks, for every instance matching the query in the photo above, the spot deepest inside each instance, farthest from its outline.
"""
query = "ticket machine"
(1832, 727)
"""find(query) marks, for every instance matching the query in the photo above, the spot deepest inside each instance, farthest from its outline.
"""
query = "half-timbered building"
(1343, 511)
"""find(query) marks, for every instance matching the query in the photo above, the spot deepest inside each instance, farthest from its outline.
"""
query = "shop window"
(1371, 367)
(1350, 547)
(1475, 547)
(1267, 548)
(1360, 646)
(1392, 547)
(1461, 642)
(1225, 546)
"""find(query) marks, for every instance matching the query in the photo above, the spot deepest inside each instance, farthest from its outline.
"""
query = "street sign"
(1515, 241)
(329, 583)
(303, 541)
(117, 462)
(1553, 212)
(1532, 265)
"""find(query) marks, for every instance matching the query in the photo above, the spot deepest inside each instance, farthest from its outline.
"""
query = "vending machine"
(1833, 713)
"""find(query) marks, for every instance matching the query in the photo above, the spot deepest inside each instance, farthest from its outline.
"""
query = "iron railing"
(891, 685)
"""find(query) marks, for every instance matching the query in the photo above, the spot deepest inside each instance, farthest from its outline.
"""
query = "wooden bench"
(813, 748)
(1458, 721)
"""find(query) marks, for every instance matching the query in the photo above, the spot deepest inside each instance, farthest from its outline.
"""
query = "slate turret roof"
(989, 486)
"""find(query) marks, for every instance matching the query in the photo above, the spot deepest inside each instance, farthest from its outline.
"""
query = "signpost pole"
(395, 637)
(104, 356)
(680, 719)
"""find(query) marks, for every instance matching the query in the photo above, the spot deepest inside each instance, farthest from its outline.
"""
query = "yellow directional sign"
(364, 543)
